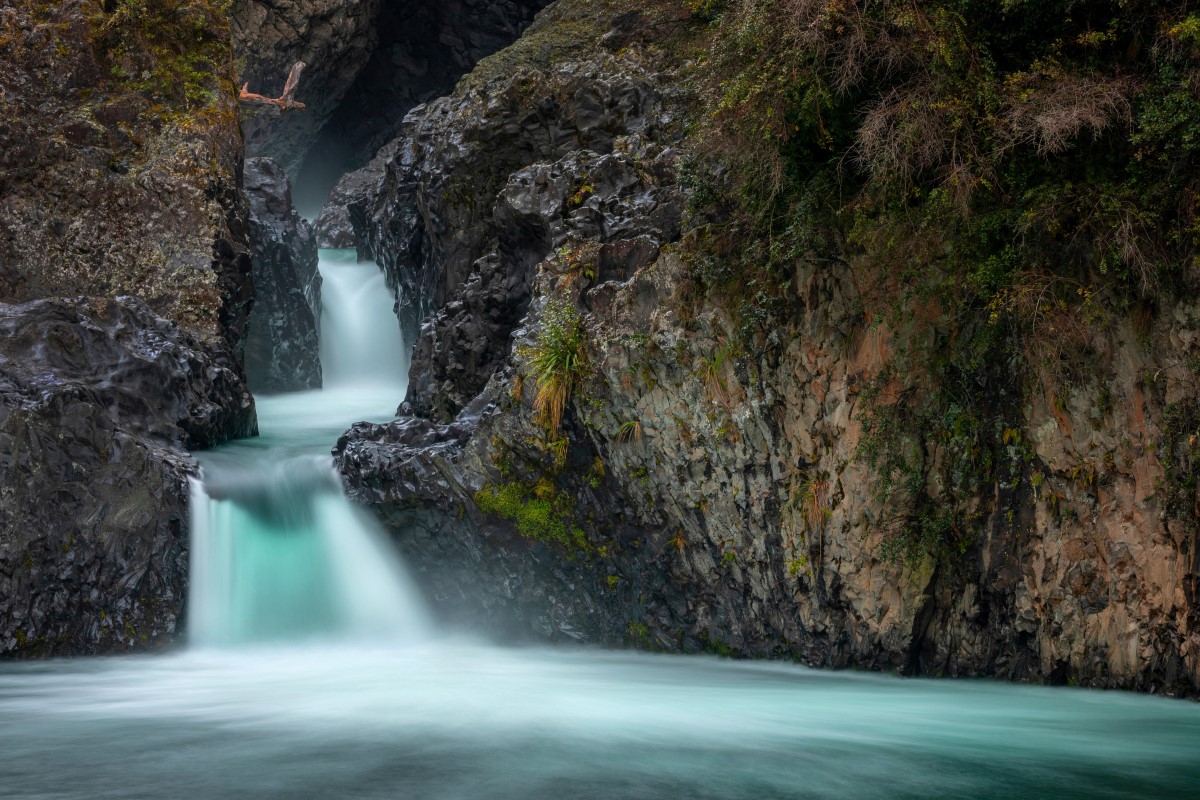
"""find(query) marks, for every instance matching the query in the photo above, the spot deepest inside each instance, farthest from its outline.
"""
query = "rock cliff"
(703, 488)
(120, 158)
(283, 352)
(125, 291)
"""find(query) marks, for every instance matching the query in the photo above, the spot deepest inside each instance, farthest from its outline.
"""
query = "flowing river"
(312, 671)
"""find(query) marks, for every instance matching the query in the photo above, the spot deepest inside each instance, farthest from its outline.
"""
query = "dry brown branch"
(912, 133)
(1053, 111)
(287, 100)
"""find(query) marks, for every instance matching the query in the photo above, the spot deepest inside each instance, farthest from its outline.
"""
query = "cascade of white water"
(278, 552)
(360, 340)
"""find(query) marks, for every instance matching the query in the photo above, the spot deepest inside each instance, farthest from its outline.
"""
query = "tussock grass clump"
(558, 362)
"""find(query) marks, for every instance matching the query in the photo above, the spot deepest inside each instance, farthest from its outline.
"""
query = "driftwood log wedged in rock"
(285, 101)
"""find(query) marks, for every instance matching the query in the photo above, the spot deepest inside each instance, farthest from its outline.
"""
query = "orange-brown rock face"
(119, 159)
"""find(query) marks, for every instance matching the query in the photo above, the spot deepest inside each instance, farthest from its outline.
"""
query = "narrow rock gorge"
(596, 398)
(369, 62)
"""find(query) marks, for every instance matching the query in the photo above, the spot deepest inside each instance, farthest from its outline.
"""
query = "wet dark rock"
(544, 208)
(432, 218)
(283, 349)
(483, 185)
(480, 189)
(420, 477)
(723, 499)
(98, 401)
(112, 190)
(350, 198)
(369, 63)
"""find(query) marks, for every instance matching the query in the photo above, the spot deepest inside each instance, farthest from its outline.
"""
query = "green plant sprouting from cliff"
(806, 511)
(558, 361)
(538, 511)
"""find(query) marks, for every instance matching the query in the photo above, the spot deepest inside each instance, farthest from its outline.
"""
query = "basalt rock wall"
(99, 402)
(698, 496)
(283, 350)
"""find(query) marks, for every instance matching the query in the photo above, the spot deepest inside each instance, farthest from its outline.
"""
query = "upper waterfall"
(361, 344)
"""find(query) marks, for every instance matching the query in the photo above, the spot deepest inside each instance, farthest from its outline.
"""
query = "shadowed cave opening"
(424, 48)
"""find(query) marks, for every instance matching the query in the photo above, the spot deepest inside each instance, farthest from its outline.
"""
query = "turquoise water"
(278, 553)
(459, 720)
(312, 672)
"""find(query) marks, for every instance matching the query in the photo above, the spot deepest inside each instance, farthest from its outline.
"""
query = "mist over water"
(313, 673)
(459, 720)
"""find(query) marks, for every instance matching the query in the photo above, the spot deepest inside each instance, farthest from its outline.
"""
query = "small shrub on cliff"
(558, 361)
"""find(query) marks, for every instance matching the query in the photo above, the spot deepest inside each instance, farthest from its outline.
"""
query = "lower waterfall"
(284, 556)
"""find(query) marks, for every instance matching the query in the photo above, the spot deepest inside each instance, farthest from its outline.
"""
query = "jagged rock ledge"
(99, 400)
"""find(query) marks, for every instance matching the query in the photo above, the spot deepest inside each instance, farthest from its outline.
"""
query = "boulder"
(99, 401)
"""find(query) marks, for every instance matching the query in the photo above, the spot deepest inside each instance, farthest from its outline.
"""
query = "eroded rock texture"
(120, 158)
(349, 198)
(283, 353)
(369, 62)
(108, 187)
(700, 497)
(98, 401)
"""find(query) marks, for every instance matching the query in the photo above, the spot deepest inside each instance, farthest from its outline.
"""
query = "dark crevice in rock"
(369, 63)
(283, 349)
(424, 48)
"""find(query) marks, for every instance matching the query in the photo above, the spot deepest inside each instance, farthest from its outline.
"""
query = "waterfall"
(360, 341)
(278, 552)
